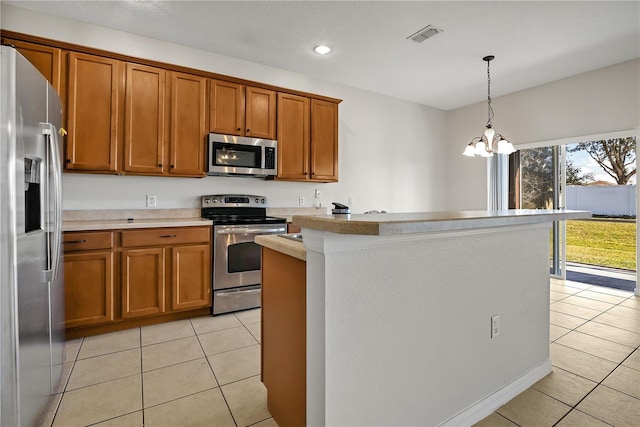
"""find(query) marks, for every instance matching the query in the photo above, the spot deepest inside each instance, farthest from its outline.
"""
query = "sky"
(587, 164)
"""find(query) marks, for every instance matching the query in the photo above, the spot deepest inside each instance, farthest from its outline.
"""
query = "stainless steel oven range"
(236, 261)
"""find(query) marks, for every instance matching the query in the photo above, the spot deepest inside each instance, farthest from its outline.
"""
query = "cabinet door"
(260, 118)
(293, 137)
(190, 277)
(94, 105)
(142, 282)
(324, 140)
(187, 125)
(144, 120)
(226, 113)
(46, 59)
(88, 288)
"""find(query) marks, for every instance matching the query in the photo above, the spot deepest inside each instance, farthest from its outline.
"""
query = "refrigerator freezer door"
(34, 360)
(26, 338)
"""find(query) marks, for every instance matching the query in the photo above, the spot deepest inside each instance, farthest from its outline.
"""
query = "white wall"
(600, 101)
(384, 160)
(402, 334)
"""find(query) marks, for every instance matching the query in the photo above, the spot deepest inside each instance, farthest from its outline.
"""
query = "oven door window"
(243, 257)
(235, 155)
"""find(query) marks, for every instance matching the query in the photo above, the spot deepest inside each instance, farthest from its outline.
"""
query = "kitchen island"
(399, 312)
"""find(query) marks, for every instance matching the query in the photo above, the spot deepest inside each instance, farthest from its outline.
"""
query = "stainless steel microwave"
(230, 155)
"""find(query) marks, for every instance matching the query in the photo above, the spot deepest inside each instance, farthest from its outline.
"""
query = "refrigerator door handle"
(56, 168)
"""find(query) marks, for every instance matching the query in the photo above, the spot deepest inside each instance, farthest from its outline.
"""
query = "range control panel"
(234, 201)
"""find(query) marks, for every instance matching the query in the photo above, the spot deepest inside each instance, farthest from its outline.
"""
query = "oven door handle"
(251, 231)
(231, 293)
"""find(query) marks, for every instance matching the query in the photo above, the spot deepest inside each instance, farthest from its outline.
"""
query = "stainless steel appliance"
(242, 156)
(237, 220)
(31, 276)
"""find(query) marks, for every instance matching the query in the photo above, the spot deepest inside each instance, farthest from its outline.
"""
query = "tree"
(617, 157)
(537, 177)
(574, 176)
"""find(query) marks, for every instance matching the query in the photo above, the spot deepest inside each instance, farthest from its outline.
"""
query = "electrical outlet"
(151, 200)
(317, 196)
(349, 201)
(301, 201)
(495, 326)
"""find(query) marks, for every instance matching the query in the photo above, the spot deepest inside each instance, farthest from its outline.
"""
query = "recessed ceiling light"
(322, 49)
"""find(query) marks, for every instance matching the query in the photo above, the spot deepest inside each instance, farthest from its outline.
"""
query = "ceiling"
(534, 42)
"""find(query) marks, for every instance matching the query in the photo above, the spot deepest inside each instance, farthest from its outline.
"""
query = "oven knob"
(257, 201)
(215, 200)
(262, 200)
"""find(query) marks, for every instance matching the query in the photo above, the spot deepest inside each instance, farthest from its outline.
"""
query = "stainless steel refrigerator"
(31, 276)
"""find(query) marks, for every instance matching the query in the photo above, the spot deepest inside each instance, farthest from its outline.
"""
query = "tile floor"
(206, 371)
(594, 336)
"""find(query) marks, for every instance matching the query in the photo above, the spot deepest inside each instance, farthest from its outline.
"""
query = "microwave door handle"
(231, 293)
(251, 231)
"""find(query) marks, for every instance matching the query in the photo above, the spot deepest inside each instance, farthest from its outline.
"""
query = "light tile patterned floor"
(206, 371)
(594, 347)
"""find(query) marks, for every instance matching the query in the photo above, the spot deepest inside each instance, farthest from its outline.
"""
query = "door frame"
(593, 137)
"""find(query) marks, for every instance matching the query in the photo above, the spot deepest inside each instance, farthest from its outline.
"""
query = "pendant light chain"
(489, 107)
(490, 141)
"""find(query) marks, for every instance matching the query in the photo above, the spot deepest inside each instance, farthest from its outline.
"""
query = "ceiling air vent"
(425, 33)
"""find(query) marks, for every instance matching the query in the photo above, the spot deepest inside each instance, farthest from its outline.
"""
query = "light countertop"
(116, 224)
(421, 222)
(280, 244)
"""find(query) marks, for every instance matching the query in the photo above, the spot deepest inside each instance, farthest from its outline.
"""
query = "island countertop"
(420, 222)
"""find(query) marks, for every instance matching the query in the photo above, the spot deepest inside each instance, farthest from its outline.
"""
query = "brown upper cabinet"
(95, 86)
(293, 137)
(188, 124)
(241, 110)
(48, 60)
(324, 141)
(144, 122)
(307, 139)
(165, 123)
(127, 115)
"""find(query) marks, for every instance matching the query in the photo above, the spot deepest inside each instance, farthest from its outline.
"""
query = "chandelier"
(490, 142)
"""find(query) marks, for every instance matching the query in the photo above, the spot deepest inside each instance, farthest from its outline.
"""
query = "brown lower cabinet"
(284, 356)
(89, 278)
(123, 278)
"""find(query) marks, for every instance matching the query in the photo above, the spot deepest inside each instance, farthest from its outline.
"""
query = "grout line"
(66, 383)
(216, 378)
(575, 407)
(141, 374)
(113, 418)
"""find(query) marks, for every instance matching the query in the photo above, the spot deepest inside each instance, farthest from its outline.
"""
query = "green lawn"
(610, 243)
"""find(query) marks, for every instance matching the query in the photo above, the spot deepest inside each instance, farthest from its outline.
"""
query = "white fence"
(614, 200)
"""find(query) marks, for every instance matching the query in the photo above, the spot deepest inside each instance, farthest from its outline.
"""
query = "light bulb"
(469, 151)
(481, 148)
(322, 49)
(505, 147)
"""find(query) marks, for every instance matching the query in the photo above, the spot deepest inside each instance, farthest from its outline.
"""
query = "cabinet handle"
(168, 236)
(75, 241)
(159, 165)
(68, 160)
(248, 130)
(172, 167)
(238, 129)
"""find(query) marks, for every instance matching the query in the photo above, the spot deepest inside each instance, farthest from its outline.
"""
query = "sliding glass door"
(537, 181)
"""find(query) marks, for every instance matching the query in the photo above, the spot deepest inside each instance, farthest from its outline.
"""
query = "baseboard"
(484, 407)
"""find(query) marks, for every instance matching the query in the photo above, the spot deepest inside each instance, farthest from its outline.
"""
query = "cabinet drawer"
(165, 236)
(81, 241)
